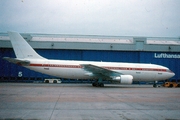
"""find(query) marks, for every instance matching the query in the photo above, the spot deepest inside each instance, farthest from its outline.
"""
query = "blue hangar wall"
(13, 73)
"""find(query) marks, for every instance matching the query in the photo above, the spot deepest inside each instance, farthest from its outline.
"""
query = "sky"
(149, 18)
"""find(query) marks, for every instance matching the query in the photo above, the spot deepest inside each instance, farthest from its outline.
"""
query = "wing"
(17, 61)
(100, 71)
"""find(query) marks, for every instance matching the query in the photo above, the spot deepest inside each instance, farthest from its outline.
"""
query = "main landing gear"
(97, 84)
(155, 84)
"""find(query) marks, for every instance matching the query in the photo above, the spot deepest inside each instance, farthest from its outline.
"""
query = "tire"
(100, 85)
(54, 81)
(47, 81)
(171, 85)
(154, 85)
(94, 84)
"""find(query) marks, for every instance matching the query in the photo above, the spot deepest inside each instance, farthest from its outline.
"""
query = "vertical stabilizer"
(21, 48)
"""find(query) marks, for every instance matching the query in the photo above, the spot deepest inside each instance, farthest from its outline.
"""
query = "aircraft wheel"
(101, 85)
(154, 85)
(95, 84)
(47, 81)
(171, 85)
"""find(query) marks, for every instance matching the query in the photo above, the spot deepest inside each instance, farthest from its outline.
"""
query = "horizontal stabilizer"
(17, 61)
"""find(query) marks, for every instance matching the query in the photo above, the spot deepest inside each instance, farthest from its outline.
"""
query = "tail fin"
(21, 48)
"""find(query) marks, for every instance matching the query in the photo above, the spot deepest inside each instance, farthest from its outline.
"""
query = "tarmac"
(83, 102)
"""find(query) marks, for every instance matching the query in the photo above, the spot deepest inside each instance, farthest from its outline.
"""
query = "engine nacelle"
(124, 79)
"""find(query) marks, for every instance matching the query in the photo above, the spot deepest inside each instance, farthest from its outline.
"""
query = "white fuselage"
(74, 70)
(124, 73)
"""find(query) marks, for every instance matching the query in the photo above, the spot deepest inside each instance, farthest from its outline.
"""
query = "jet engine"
(124, 79)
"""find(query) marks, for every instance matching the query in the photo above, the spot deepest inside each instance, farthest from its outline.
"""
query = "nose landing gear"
(155, 84)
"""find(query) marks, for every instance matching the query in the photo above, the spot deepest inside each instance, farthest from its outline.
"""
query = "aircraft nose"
(172, 74)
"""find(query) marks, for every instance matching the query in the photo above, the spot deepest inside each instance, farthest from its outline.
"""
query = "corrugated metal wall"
(11, 72)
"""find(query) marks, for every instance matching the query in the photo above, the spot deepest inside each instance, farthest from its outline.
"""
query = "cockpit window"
(168, 70)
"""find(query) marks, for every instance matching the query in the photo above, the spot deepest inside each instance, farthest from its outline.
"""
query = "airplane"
(115, 72)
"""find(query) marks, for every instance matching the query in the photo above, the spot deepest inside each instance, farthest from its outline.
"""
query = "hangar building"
(156, 50)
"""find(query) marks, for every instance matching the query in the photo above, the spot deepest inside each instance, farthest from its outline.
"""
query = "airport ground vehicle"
(171, 84)
(52, 81)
